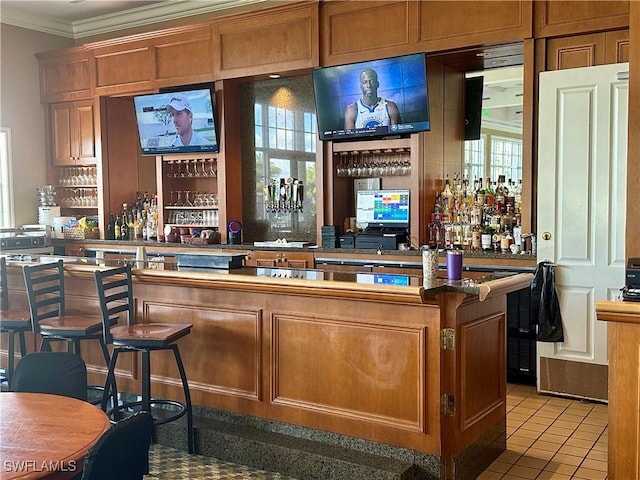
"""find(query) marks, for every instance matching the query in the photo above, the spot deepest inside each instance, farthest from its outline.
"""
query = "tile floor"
(548, 438)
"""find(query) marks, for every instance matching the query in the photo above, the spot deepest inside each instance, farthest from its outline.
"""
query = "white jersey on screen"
(375, 116)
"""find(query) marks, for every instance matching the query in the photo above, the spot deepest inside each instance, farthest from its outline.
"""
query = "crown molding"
(126, 19)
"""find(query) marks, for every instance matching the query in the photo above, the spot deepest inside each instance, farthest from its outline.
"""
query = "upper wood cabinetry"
(65, 75)
(184, 58)
(167, 58)
(417, 26)
(587, 50)
(282, 39)
(445, 25)
(73, 133)
(567, 17)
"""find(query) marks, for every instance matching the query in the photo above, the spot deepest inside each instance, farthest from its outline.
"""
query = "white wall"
(21, 111)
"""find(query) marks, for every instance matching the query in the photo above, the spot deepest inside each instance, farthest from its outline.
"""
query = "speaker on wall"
(473, 107)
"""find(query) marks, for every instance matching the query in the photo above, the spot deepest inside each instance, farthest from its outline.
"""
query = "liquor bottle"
(489, 193)
(480, 192)
(476, 238)
(447, 195)
(518, 197)
(110, 226)
(117, 229)
(501, 190)
(435, 236)
(124, 229)
(487, 238)
(456, 233)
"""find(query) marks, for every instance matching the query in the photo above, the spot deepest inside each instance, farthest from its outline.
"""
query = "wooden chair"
(123, 451)
(115, 293)
(58, 373)
(12, 322)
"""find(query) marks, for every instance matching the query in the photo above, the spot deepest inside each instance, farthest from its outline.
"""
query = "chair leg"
(23, 343)
(187, 399)
(110, 383)
(146, 381)
(45, 344)
(11, 357)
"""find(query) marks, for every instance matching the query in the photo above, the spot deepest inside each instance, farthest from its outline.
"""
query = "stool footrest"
(119, 412)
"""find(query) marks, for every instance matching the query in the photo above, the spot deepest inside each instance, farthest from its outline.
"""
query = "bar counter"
(416, 366)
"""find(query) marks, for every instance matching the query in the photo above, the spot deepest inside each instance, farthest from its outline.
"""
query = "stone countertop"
(405, 288)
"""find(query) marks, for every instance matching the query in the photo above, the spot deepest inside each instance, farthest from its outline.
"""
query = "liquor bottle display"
(485, 216)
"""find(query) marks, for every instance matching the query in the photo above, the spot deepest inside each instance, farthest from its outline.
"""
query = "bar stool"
(115, 293)
(46, 294)
(12, 321)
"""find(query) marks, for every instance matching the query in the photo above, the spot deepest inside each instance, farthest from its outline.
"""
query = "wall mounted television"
(386, 97)
(176, 122)
(383, 208)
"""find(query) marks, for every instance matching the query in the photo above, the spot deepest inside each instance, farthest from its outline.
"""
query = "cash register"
(386, 216)
(631, 289)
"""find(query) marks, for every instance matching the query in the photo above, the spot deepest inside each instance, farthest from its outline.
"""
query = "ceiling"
(84, 18)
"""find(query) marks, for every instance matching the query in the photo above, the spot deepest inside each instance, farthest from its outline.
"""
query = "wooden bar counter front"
(411, 366)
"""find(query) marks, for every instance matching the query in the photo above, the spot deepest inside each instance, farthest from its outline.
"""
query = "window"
(6, 195)
(503, 157)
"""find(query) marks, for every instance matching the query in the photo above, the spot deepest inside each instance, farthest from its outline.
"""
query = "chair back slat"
(115, 295)
(45, 291)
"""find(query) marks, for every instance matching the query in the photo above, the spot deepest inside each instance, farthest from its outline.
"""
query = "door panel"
(582, 201)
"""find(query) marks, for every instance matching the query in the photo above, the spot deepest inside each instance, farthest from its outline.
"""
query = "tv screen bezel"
(162, 98)
(346, 86)
(386, 224)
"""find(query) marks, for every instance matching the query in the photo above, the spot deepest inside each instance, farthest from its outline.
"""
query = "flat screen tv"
(383, 208)
(176, 122)
(386, 97)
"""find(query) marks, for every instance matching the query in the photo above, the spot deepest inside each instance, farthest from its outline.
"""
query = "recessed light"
(499, 62)
(274, 75)
(483, 54)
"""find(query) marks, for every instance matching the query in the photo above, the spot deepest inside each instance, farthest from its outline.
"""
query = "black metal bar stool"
(12, 321)
(115, 293)
(46, 294)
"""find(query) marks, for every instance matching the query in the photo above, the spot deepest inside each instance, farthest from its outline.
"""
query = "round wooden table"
(46, 436)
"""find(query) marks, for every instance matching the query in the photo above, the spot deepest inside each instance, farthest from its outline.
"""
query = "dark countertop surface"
(412, 255)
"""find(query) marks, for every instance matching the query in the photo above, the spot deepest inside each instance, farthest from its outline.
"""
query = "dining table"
(46, 436)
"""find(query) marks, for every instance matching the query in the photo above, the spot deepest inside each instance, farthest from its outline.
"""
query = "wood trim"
(632, 240)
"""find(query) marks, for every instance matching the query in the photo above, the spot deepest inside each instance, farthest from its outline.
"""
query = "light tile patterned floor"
(551, 438)
(548, 438)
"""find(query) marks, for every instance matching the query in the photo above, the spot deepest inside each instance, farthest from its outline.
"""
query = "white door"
(582, 165)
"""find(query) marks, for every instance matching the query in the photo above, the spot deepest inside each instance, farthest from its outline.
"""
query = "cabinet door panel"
(566, 17)
(125, 70)
(86, 132)
(173, 66)
(279, 40)
(616, 46)
(486, 22)
(574, 52)
(61, 134)
(66, 78)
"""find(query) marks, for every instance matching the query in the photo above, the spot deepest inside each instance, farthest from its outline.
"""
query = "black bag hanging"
(545, 308)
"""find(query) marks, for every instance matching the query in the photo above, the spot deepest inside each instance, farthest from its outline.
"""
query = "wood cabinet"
(65, 75)
(74, 133)
(417, 26)
(568, 17)
(587, 50)
(623, 320)
(282, 39)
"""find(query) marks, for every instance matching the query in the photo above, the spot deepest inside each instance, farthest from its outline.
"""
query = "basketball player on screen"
(370, 111)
